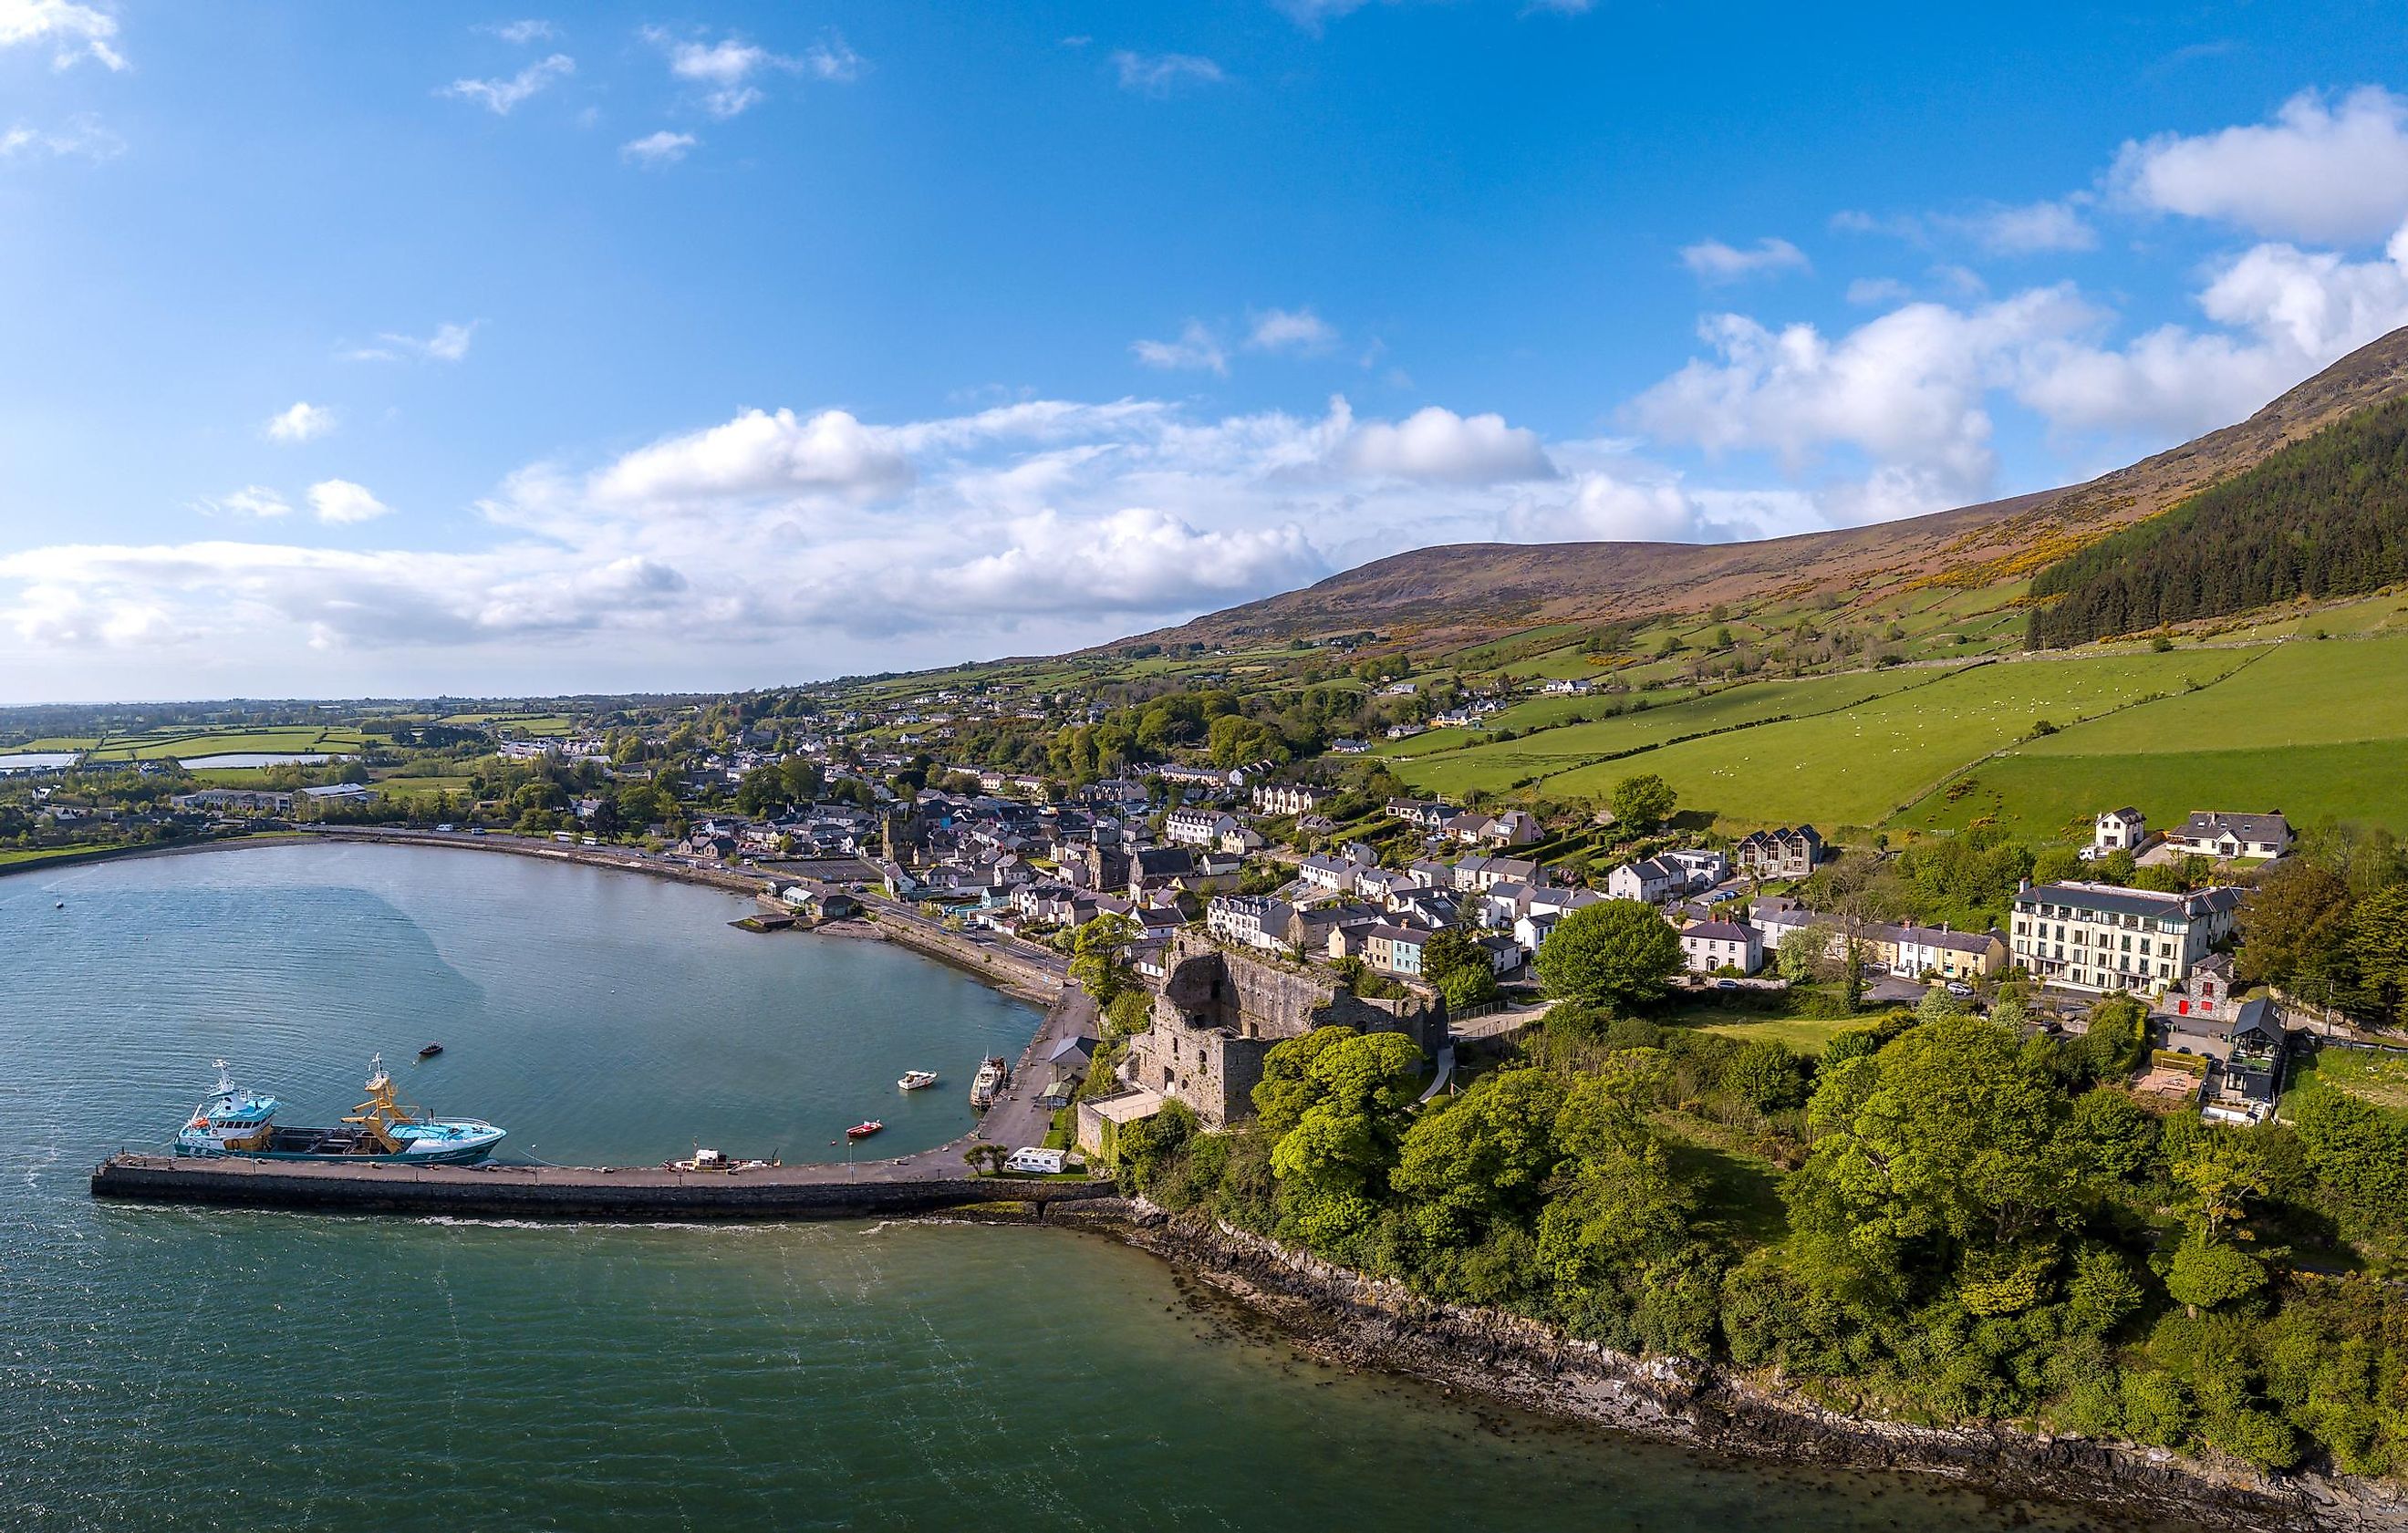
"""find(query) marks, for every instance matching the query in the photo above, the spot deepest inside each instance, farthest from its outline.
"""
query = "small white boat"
(989, 1081)
(916, 1080)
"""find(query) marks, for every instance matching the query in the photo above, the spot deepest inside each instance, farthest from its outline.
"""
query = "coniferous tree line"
(2324, 517)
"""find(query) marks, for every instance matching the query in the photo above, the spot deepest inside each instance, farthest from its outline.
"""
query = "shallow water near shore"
(212, 1369)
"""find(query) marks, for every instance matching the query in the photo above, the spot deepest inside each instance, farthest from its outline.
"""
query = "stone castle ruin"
(1219, 1012)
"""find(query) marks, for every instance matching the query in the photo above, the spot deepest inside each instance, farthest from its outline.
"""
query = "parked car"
(1726, 984)
(1959, 989)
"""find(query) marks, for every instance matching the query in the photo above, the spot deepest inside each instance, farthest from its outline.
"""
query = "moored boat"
(863, 1129)
(917, 1080)
(236, 1120)
(717, 1160)
(430, 1051)
(992, 1074)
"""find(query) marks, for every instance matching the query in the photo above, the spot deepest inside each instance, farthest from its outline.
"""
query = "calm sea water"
(167, 1368)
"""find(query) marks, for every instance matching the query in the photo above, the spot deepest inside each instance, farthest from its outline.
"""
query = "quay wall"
(510, 1192)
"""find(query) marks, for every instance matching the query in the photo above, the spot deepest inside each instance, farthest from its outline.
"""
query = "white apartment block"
(2098, 937)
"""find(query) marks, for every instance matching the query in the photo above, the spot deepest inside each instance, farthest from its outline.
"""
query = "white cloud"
(1135, 560)
(449, 343)
(658, 148)
(1711, 260)
(759, 454)
(2288, 313)
(1868, 291)
(2026, 229)
(1159, 74)
(727, 70)
(1436, 444)
(1194, 348)
(1906, 389)
(522, 32)
(829, 59)
(1297, 330)
(499, 96)
(303, 422)
(251, 500)
(73, 32)
(84, 138)
(2316, 172)
(2030, 228)
(339, 502)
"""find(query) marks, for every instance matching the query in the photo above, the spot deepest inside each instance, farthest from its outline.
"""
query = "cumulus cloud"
(1296, 330)
(657, 148)
(2288, 313)
(1711, 260)
(72, 32)
(1906, 390)
(341, 503)
(760, 454)
(2317, 172)
(303, 422)
(1138, 559)
(1160, 74)
(1435, 444)
(1195, 348)
(502, 96)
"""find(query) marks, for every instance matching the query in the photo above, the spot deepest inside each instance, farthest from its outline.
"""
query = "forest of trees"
(1937, 1219)
(2324, 517)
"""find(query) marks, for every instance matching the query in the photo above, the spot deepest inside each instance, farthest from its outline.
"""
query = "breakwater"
(580, 1192)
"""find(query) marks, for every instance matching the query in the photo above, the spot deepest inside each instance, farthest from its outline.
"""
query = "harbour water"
(204, 1368)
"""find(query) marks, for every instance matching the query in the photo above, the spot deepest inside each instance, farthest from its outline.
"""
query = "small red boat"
(863, 1130)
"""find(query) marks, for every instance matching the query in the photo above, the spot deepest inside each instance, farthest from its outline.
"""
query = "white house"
(2119, 830)
(1710, 945)
(2212, 834)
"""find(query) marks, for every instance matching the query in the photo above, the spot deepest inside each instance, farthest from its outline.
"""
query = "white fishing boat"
(917, 1080)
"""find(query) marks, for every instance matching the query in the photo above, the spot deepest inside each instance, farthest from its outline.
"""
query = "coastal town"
(1315, 881)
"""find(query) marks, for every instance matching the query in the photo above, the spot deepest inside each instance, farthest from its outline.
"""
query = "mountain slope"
(1469, 589)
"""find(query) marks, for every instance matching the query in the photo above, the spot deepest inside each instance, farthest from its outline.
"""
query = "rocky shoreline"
(1347, 1318)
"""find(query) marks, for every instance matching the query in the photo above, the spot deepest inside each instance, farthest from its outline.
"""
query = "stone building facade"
(1218, 1013)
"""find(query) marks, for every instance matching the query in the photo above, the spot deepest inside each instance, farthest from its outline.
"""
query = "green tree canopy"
(1616, 950)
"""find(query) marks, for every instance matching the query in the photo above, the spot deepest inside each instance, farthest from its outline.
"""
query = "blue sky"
(399, 349)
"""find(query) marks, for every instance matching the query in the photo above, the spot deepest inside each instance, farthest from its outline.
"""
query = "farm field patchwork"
(1500, 766)
(1859, 766)
(2327, 724)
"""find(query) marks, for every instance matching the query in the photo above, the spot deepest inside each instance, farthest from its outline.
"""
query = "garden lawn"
(2379, 1078)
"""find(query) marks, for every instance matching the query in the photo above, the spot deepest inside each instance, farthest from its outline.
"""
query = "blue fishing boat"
(238, 1122)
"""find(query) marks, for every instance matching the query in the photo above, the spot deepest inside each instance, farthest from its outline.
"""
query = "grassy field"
(1799, 1035)
(1555, 751)
(544, 725)
(2381, 1079)
(179, 743)
(1860, 766)
(422, 787)
(2313, 729)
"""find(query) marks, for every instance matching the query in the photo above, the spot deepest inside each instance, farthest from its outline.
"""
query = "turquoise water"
(225, 1370)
